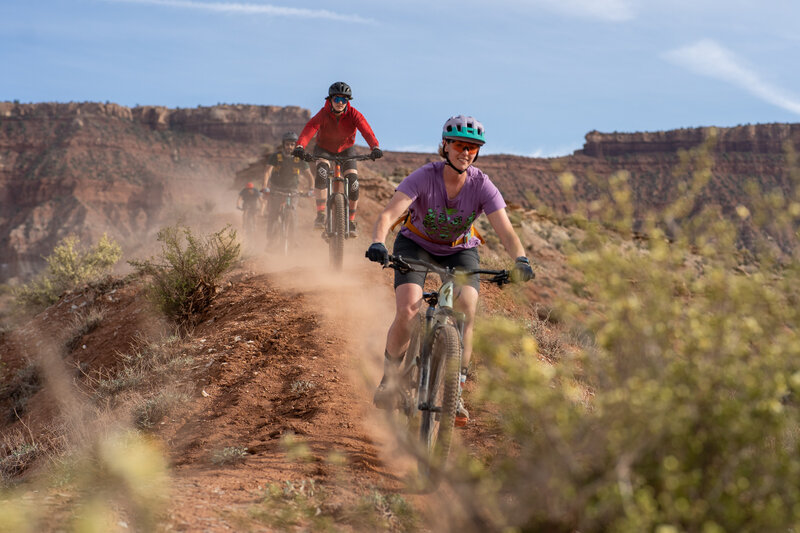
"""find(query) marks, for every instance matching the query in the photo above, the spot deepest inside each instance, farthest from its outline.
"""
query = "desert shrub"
(682, 415)
(306, 505)
(68, 267)
(16, 460)
(153, 410)
(84, 323)
(230, 455)
(149, 363)
(185, 277)
(20, 388)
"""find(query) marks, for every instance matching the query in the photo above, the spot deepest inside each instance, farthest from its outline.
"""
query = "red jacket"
(337, 133)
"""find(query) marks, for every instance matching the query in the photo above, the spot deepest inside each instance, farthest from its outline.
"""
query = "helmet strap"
(447, 160)
(451, 165)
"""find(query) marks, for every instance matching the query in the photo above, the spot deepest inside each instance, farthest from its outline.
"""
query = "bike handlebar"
(404, 265)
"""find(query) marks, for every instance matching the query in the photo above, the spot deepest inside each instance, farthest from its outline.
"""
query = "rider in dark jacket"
(283, 174)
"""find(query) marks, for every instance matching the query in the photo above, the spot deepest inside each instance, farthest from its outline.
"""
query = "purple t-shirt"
(440, 218)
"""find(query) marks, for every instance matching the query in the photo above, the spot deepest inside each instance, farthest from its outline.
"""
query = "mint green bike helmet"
(464, 128)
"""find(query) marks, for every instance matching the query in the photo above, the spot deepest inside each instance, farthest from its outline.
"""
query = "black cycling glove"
(376, 153)
(522, 270)
(299, 152)
(377, 252)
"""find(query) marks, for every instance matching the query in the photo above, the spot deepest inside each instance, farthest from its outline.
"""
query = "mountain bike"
(337, 207)
(286, 221)
(429, 375)
(249, 222)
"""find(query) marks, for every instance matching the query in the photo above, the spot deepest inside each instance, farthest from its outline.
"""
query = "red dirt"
(286, 348)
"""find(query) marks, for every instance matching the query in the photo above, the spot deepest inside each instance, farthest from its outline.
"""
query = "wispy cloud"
(251, 9)
(608, 10)
(710, 59)
(611, 10)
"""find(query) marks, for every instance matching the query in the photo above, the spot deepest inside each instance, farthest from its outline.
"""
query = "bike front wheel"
(436, 424)
(338, 224)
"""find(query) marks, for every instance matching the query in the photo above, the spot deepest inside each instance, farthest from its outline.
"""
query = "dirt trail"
(288, 348)
(295, 350)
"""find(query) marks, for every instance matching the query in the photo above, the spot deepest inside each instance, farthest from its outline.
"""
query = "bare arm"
(502, 226)
(396, 207)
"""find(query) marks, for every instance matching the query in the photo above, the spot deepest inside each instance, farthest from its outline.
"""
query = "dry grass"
(83, 323)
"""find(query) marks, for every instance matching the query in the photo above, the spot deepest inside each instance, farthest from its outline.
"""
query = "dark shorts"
(463, 258)
(348, 152)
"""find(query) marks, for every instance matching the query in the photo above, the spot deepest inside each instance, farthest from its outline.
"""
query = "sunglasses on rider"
(460, 146)
(339, 100)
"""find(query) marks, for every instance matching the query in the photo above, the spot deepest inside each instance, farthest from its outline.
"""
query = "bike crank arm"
(425, 407)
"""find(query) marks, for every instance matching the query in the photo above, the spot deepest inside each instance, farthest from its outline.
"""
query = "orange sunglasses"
(460, 146)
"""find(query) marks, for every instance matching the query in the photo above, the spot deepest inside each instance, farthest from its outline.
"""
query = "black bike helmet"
(342, 88)
(289, 136)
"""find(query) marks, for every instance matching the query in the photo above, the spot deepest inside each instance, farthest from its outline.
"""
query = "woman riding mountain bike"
(335, 126)
(442, 201)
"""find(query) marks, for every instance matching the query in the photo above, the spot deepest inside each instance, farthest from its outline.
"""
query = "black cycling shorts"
(405, 247)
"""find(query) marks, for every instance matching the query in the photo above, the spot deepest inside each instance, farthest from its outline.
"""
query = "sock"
(320, 205)
(352, 214)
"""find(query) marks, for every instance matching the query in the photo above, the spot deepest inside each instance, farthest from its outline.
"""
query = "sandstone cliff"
(89, 168)
(757, 139)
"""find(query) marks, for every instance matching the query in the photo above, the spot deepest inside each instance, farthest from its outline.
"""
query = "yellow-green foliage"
(121, 471)
(683, 415)
(69, 266)
(184, 278)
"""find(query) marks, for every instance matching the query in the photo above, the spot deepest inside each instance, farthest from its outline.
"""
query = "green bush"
(682, 415)
(68, 267)
(185, 277)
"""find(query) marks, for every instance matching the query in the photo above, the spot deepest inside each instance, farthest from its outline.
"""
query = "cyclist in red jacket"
(335, 126)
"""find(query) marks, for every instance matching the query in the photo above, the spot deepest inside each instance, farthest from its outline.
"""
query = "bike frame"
(287, 207)
(440, 309)
(337, 185)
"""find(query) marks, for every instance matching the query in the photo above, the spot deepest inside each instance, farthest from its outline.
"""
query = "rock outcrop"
(90, 168)
(757, 139)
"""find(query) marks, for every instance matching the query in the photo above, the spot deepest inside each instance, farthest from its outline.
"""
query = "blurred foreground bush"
(68, 267)
(119, 482)
(683, 414)
(185, 277)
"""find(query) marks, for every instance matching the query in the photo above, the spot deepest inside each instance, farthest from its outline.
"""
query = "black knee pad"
(352, 183)
(321, 179)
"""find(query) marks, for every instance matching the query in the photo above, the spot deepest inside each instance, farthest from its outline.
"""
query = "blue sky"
(539, 74)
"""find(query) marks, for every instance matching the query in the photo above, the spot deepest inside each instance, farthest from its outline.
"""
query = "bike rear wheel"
(436, 427)
(338, 224)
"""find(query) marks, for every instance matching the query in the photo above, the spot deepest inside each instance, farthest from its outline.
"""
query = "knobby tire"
(436, 429)
(336, 242)
(410, 371)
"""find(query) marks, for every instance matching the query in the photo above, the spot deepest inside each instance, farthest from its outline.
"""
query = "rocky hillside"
(91, 168)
